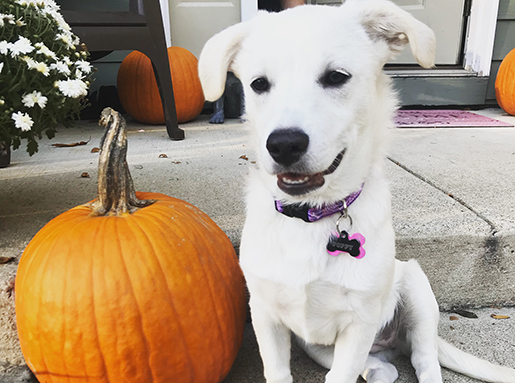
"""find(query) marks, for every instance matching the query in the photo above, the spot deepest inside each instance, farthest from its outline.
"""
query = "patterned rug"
(443, 118)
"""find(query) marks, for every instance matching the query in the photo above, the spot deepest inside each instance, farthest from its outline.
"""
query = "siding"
(504, 42)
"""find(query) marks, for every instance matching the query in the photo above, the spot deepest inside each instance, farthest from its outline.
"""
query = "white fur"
(344, 309)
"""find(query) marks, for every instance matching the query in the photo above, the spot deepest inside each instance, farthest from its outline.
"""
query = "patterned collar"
(313, 214)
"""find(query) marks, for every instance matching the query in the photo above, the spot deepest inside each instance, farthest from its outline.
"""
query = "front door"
(193, 22)
(445, 17)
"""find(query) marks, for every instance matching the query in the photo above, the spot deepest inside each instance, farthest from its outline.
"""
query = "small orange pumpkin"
(139, 94)
(505, 84)
(129, 290)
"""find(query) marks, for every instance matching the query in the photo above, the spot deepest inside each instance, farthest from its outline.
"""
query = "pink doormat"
(433, 118)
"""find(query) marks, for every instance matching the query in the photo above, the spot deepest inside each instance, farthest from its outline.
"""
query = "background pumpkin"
(139, 94)
(127, 289)
(505, 83)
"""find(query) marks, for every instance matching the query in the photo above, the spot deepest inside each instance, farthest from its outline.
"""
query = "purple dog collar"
(313, 214)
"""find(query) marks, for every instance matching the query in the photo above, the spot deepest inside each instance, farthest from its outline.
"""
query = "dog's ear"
(383, 20)
(216, 58)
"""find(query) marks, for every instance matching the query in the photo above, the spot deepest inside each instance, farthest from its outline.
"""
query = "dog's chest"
(316, 312)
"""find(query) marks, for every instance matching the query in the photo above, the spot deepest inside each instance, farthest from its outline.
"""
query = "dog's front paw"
(286, 378)
(430, 376)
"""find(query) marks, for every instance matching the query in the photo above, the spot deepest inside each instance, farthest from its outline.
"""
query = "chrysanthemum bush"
(44, 75)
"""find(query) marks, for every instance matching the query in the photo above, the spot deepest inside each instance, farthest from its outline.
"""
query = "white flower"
(61, 67)
(84, 66)
(6, 18)
(72, 88)
(37, 65)
(22, 121)
(67, 38)
(4, 47)
(31, 99)
(31, 63)
(22, 45)
(50, 5)
(43, 49)
(79, 74)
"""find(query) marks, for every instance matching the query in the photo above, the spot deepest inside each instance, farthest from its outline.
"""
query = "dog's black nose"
(286, 146)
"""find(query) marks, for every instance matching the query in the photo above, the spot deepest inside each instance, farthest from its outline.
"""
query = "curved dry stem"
(116, 194)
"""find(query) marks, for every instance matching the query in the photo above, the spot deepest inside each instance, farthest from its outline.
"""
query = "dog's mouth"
(300, 183)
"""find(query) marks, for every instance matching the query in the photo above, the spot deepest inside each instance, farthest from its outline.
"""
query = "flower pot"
(5, 155)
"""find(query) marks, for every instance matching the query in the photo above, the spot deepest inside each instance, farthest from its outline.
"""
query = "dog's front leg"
(274, 340)
(351, 350)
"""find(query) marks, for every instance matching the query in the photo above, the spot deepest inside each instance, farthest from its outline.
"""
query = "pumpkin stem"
(116, 194)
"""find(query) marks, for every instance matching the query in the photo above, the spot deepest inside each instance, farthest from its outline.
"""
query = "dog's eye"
(260, 85)
(334, 78)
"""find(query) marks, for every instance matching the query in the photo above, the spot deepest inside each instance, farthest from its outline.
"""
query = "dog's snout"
(286, 146)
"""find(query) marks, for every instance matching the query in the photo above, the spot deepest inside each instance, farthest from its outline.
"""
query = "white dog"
(318, 247)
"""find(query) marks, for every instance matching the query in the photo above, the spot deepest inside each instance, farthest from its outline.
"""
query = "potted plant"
(44, 74)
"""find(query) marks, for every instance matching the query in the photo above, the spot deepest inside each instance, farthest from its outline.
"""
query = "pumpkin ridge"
(74, 227)
(223, 276)
(191, 74)
(97, 237)
(20, 283)
(232, 302)
(40, 343)
(185, 231)
(148, 80)
(194, 232)
(100, 304)
(168, 293)
(149, 223)
(150, 252)
(62, 314)
(79, 227)
(117, 223)
(47, 233)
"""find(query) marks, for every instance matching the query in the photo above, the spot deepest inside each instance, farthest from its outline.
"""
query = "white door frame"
(480, 36)
(479, 40)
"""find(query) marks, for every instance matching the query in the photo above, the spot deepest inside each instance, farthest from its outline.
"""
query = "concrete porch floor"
(453, 205)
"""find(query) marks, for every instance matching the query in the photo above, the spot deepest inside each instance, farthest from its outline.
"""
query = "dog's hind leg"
(377, 368)
(379, 371)
(321, 354)
(351, 351)
(422, 316)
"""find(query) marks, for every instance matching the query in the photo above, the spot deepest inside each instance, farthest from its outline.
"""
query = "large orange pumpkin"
(129, 290)
(505, 83)
(139, 95)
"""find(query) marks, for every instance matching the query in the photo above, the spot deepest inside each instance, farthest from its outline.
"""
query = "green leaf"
(16, 142)
(32, 146)
(50, 133)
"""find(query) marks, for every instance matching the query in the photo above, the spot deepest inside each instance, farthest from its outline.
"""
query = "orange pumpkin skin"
(139, 94)
(505, 84)
(152, 296)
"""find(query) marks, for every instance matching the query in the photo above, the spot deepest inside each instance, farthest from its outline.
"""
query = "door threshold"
(436, 72)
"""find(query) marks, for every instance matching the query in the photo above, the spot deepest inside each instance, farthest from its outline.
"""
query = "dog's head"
(314, 89)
